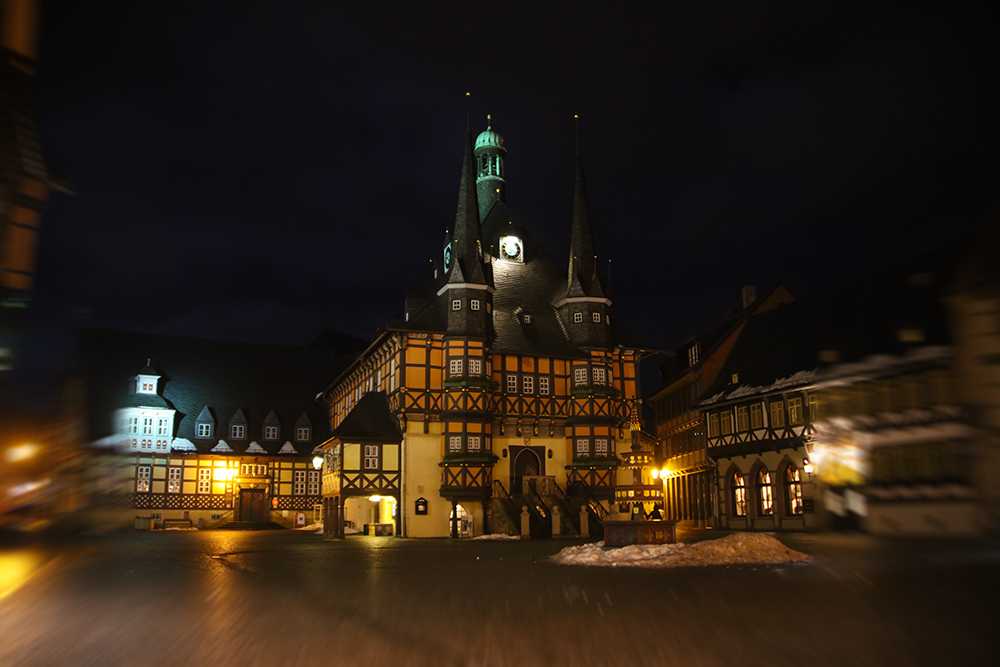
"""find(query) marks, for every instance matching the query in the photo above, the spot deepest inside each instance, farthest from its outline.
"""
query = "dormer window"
(693, 355)
(203, 430)
(302, 433)
(270, 432)
(237, 431)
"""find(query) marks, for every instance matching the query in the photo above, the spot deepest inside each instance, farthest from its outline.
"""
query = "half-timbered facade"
(840, 410)
(689, 481)
(503, 375)
(202, 432)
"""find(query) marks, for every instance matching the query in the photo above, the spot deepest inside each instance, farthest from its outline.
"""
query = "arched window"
(765, 501)
(793, 490)
(739, 494)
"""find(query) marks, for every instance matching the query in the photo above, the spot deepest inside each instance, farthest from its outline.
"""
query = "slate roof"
(224, 376)
(530, 287)
(370, 419)
(858, 319)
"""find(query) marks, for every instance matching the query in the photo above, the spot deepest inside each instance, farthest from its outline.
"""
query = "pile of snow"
(736, 548)
(496, 536)
(313, 527)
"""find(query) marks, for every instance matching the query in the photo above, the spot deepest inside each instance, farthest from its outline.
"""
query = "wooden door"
(252, 505)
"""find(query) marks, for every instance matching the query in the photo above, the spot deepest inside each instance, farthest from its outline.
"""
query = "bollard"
(525, 523)
(556, 522)
(584, 522)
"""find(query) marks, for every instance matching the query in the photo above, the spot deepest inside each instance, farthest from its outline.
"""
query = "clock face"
(447, 257)
(511, 249)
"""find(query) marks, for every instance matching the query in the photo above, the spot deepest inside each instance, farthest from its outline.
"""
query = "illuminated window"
(692, 355)
(313, 484)
(455, 367)
(742, 422)
(795, 411)
(237, 431)
(528, 383)
(543, 386)
(371, 457)
(511, 384)
(756, 416)
(777, 415)
(596, 317)
(793, 490)
(173, 480)
(713, 425)
(161, 444)
(204, 480)
(302, 433)
(475, 366)
(526, 318)
(580, 376)
(582, 448)
(474, 304)
(813, 407)
(739, 494)
(270, 432)
(578, 317)
(204, 430)
(142, 479)
(726, 422)
(456, 304)
(765, 501)
(299, 483)
(600, 375)
(161, 427)
(600, 447)
(455, 443)
(474, 441)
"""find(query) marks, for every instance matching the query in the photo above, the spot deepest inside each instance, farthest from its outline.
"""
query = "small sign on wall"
(420, 506)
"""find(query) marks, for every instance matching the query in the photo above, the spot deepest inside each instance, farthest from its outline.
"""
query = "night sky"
(259, 171)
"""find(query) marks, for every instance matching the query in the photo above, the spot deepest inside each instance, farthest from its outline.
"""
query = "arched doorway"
(526, 462)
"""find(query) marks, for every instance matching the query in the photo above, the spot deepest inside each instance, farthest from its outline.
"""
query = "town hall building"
(504, 386)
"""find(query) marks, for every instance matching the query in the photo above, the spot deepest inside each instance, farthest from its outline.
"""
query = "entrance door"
(251, 504)
(526, 463)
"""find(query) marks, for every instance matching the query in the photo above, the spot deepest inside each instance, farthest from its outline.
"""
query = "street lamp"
(21, 452)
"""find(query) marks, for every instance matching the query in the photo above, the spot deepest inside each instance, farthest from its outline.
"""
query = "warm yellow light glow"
(655, 473)
(807, 466)
(374, 499)
(21, 452)
(15, 570)
(317, 462)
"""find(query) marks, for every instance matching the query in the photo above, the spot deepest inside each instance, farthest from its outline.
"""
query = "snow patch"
(729, 550)
(496, 537)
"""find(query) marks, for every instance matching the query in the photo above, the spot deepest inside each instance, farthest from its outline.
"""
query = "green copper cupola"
(489, 153)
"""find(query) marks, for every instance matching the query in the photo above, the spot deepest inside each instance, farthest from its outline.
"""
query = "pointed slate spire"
(466, 242)
(583, 280)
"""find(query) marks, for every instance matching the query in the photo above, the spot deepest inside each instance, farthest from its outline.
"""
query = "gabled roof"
(857, 319)
(222, 376)
(370, 419)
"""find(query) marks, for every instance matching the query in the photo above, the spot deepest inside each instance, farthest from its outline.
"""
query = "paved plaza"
(295, 598)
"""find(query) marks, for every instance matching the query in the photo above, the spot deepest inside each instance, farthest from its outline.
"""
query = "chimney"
(749, 295)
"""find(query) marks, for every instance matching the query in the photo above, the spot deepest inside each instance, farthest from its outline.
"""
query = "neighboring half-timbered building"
(689, 484)
(505, 382)
(840, 409)
(202, 432)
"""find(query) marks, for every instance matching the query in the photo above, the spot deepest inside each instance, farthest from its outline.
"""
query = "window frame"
(143, 478)
(765, 492)
(793, 491)
(577, 317)
(756, 416)
(456, 304)
(174, 478)
(300, 430)
(203, 430)
(738, 494)
(777, 414)
(237, 431)
(270, 432)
